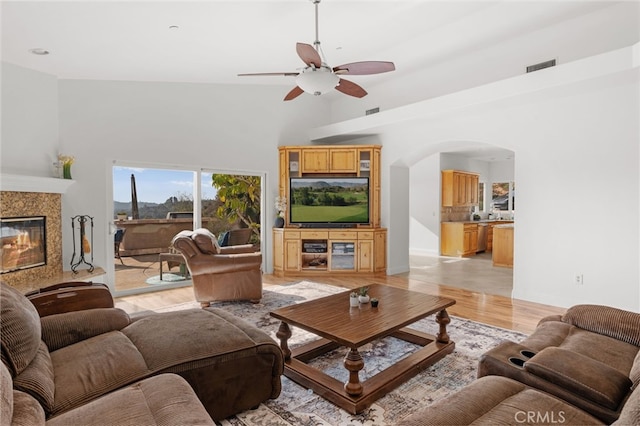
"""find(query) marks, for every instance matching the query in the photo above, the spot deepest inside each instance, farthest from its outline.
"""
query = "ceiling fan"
(318, 78)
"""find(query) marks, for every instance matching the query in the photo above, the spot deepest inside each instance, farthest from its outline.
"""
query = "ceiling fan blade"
(286, 74)
(294, 93)
(365, 68)
(350, 88)
(308, 54)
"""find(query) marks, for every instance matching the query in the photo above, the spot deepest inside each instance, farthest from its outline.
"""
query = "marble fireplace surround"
(35, 196)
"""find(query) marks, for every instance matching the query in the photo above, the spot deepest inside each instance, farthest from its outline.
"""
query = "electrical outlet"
(578, 279)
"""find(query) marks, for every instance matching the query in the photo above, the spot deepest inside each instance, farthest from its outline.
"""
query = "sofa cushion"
(71, 327)
(581, 375)
(37, 379)
(26, 410)
(612, 322)
(6, 393)
(21, 333)
(94, 367)
(170, 341)
(634, 374)
(161, 400)
(494, 400)
(630, 414)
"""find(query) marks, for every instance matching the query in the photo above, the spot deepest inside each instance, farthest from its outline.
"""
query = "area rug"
(166, 279)
(299, 406)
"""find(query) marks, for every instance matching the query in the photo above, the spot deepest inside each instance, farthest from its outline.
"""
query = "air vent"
(541, 65)
(372, 111)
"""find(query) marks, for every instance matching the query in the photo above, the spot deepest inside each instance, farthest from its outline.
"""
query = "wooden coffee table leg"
(354, 363)
(283, 333)
(443, 319)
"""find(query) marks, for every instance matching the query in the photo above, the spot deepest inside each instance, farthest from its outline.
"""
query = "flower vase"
(66, 171)
(353, 302)
(279, 222)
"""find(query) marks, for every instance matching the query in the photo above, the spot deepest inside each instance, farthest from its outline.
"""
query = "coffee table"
(338, 325)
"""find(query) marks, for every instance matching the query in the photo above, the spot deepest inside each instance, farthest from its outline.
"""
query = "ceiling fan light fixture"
(317, 81)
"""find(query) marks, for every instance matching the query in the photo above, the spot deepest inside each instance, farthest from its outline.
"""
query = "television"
(329, 201)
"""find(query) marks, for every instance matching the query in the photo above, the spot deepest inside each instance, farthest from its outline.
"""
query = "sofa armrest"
(243, 248)
(62, 330)
(605, 320)
(581, 375)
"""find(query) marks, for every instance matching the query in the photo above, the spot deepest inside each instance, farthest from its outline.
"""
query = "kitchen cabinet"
(490, 226)
(458, 239)
(503, 246)
(459, 188)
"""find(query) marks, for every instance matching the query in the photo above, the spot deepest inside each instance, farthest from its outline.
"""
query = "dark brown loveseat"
(589, 357)
(69, 359)
(581, 368)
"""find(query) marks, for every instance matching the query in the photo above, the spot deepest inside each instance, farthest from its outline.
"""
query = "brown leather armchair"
(220, 273)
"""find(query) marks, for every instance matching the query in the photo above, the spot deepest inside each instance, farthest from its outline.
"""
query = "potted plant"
(122, 215)
(374, 302)
(353, 300)
(363, 295)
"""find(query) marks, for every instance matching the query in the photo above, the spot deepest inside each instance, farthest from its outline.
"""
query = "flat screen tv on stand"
(329, 202)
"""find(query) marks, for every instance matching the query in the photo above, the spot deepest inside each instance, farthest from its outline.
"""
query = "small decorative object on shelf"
(66, 161)
(281, 208)
(122, 215)
(374, 302)
(363, 295)
(353, 300)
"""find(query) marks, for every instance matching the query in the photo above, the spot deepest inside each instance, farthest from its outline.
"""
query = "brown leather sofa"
(579, 368)
(220, 273)
(67, 360)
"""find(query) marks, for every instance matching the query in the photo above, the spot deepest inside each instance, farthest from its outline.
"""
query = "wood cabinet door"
(380, 251)
(315, 161)
(343, 161)
(365, 256)
(278, 251)
(291, 255)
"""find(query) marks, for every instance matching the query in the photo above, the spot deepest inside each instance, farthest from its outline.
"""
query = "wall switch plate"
(578, 279)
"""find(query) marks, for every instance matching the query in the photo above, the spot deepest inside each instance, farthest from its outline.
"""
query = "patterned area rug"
(298, 406)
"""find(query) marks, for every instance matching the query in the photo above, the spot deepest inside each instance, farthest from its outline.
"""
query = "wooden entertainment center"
(309, 249)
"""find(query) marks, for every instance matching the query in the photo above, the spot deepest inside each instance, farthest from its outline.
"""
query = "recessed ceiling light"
(174, 27)
(39, 51)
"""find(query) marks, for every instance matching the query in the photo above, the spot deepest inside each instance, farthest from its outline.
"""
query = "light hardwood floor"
(495, 310)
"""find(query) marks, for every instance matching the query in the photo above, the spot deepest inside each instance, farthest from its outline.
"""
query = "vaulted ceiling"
(213, 41)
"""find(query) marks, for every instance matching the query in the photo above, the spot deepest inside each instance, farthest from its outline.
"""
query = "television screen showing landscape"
(329, 200)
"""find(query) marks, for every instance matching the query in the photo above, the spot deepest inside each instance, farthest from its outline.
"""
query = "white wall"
(215, 127)
(29, 121)
(235, 128)
(424, 206)
(577, 176)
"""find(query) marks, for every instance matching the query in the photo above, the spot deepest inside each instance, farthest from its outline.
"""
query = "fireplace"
(22, 243)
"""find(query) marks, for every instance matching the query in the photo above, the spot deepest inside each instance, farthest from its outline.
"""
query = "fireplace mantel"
(24, 183)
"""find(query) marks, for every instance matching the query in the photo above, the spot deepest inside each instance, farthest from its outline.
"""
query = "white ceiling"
(216, 40)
